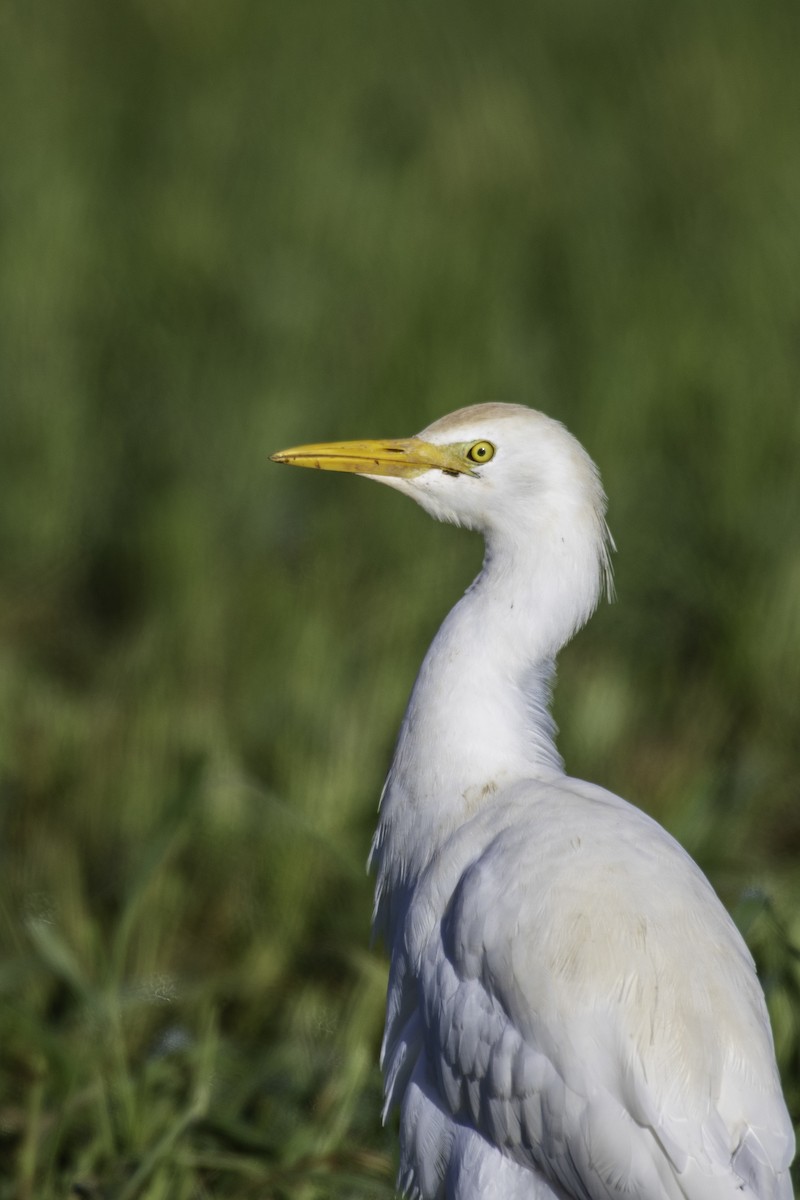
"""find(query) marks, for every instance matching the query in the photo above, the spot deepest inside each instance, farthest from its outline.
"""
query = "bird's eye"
(481, 452)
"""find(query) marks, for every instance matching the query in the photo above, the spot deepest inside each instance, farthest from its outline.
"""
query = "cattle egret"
(571, 1012)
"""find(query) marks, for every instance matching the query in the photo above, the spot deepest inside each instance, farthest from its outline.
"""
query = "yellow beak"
(404, 457)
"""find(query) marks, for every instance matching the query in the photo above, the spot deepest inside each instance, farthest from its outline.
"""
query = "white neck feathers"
(479, 716)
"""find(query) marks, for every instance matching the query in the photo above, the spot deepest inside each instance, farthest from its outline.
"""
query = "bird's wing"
(581, 997)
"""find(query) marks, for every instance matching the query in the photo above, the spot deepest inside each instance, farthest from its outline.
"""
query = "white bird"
(571, 1012)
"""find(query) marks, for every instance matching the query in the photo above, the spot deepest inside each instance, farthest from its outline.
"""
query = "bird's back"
(573, 989)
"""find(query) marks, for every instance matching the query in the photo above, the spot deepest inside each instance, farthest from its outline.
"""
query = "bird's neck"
(479, 714)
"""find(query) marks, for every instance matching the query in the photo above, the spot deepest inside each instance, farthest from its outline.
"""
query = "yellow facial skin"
(404, 458)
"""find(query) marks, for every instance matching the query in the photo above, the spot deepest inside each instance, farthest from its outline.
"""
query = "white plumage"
(571, 1012)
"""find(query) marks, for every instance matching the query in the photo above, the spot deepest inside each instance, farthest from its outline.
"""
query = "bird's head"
(508, 471)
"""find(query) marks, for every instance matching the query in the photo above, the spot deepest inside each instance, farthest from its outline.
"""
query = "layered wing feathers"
(584, 1002)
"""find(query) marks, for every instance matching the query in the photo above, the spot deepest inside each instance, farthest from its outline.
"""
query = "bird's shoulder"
(570, 860)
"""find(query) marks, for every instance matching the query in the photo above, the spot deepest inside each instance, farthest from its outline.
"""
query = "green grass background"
(230, 227)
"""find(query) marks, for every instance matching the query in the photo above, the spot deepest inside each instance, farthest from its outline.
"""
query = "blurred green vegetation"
(232, 227)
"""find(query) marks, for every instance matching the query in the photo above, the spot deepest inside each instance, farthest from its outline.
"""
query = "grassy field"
(231, 227)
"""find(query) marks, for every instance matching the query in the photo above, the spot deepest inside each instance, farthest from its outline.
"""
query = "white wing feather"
(540, 997)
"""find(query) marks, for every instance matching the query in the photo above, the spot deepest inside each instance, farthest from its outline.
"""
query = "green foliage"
(233, 227)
